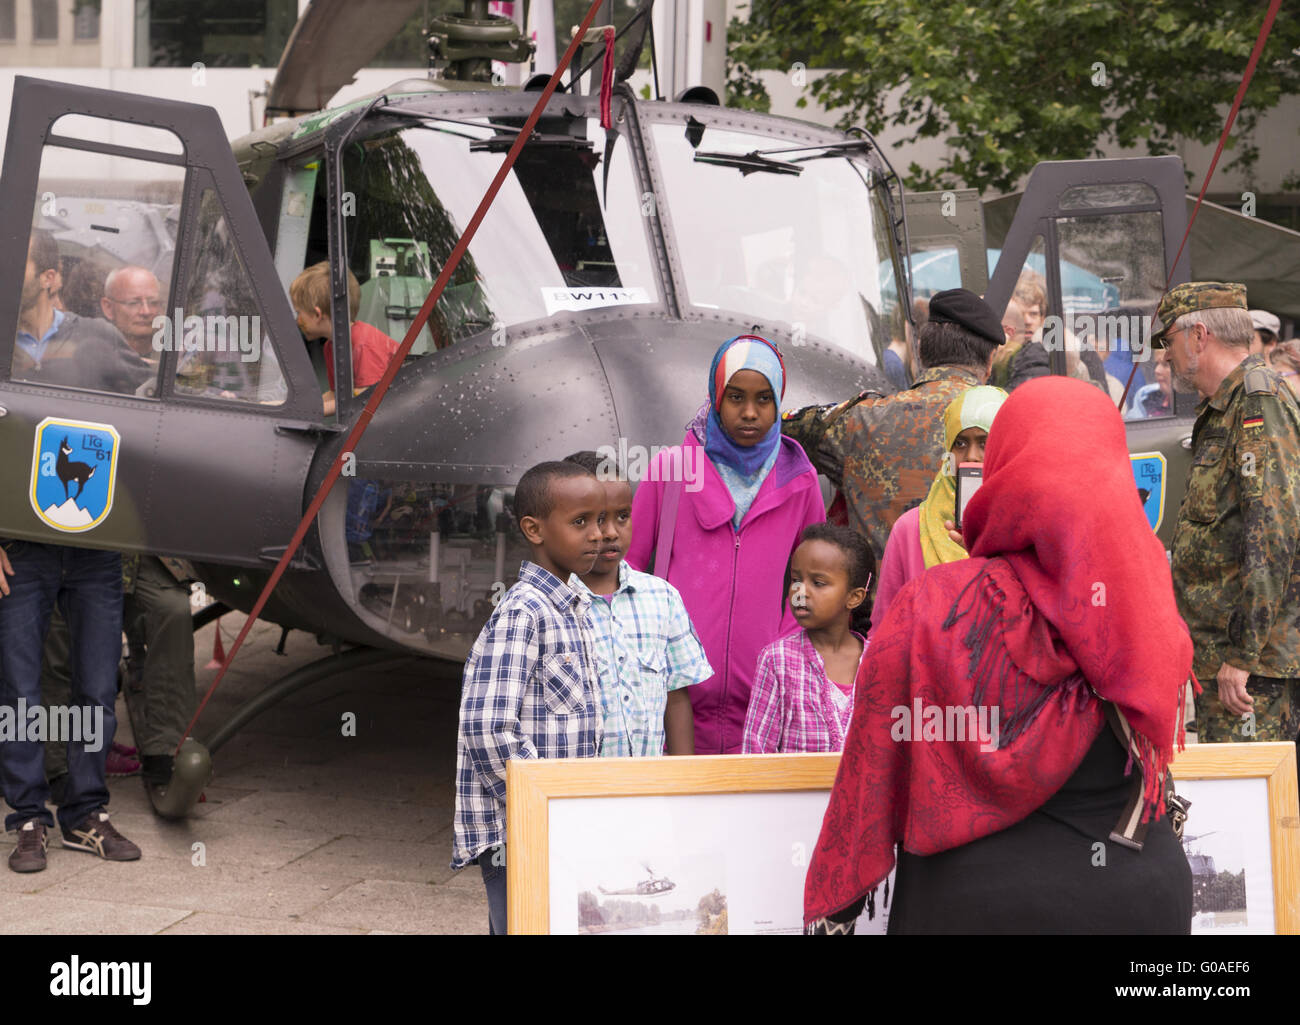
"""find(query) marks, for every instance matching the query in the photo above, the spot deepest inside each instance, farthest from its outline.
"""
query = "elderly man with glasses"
(132, 300)
(1236, 547)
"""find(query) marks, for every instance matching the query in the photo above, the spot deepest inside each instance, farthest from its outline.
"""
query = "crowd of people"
(64, 610)
(733, 617)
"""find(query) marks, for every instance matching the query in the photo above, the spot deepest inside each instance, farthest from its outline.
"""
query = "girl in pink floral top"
(802, 698)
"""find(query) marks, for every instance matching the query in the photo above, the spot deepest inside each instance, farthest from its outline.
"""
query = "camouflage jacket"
(1234, 555)
(881, 451)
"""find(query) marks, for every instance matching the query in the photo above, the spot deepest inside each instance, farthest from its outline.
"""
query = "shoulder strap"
(1131, 831)
(667, 527)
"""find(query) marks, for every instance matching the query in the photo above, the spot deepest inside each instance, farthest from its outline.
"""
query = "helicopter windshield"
(549, 243)
(810, 248)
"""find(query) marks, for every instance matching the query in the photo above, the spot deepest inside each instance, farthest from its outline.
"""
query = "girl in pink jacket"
(721, 514)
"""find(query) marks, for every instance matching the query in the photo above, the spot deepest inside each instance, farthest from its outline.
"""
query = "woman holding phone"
(920, 538)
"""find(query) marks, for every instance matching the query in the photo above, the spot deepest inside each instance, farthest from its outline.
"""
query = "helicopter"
(612, 263)
(654, 886)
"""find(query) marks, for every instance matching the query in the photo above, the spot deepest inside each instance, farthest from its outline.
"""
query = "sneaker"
(97, 835)
(158, 769)
(124, 751)
(29, 855)
(120, 765)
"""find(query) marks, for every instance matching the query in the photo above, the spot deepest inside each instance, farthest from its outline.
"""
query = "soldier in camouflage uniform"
(1234, 556)
(882, 452)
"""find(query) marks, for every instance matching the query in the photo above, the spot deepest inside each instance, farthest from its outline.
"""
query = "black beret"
(959, 306)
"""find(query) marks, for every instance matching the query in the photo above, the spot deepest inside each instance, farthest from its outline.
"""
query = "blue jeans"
(88, 588)
(494, 881)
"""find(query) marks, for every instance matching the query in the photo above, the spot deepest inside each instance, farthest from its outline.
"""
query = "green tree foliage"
(1008, 83)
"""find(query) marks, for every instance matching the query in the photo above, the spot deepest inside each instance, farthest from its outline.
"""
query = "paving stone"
(372, 858)
(46, 914)
(203, 923)
(223, 889)
(405, 907)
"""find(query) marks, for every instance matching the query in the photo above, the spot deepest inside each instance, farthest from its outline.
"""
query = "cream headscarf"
(975, 407)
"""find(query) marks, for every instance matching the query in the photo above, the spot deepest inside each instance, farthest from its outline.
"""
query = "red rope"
(607, 80)
(1264, 30)
(395, 363)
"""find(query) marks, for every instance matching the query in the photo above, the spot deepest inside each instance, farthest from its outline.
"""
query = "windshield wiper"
(748, 163)
(760, 159)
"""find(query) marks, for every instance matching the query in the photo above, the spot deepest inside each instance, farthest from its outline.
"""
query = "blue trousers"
(87, 585)
(494, 881)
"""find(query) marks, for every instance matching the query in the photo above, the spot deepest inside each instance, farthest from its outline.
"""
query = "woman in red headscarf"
(986, 735)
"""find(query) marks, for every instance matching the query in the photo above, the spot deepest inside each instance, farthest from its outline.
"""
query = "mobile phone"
(969, 478)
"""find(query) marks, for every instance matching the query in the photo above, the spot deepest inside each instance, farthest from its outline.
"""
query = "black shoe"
(158, 769)
(29, 855)
(97, 835)
(59, 788)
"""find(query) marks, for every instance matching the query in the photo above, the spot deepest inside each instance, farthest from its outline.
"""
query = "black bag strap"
(1130, 831)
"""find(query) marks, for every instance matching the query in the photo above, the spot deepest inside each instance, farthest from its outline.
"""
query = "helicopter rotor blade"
(331, 41)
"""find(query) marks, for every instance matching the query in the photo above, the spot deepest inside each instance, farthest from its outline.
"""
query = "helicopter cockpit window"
(800, 241)
(565, 233)
(101, 257)
(217, 327)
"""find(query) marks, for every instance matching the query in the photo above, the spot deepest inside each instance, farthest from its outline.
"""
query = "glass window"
(800, 238)
(85, 20)
(1112, 276)
(8, 21)
(45, 20)
(550, 242)
(101, 258)
(216, 33)
(217, 325)
(1095, 197)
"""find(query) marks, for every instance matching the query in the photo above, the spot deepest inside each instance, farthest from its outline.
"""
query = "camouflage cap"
(1190, 297)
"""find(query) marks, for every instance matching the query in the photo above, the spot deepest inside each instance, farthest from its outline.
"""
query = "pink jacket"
(731, 581)
(903, 560)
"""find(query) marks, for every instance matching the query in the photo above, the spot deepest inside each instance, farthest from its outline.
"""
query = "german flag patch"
(1253, 421)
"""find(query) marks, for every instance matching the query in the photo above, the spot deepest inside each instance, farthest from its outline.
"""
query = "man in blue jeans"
(87, 585)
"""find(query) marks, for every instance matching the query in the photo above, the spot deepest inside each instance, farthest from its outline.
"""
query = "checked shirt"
(644, 646)
(529, 691)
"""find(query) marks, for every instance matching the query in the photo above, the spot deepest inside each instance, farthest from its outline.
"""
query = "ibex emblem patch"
(74, 471)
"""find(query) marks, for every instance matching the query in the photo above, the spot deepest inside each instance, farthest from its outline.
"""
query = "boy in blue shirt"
(646, 650)
(529, 687)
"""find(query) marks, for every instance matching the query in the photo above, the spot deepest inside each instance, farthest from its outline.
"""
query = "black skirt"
(1056, 871)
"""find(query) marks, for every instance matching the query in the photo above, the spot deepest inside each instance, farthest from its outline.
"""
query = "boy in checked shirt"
(645, 648)
(529, 689)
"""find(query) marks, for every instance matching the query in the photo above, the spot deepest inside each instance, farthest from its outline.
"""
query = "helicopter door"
(1098, 238)
(945, 234)
(155, 394)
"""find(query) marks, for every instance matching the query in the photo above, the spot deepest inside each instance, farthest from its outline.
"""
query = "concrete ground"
(304, 830)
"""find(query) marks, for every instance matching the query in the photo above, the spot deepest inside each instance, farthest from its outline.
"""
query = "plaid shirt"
(793, 706)
(645, 646)
(529, 692)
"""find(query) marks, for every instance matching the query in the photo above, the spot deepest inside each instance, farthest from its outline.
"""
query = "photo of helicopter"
(652, 886)
(612, 263)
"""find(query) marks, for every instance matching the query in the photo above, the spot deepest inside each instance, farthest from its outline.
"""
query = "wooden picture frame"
(531, 786)
(1274, 764)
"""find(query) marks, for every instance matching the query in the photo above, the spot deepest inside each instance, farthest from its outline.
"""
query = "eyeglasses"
(136, 304)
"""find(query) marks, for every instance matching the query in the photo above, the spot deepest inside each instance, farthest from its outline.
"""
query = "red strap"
(667, 527)
(381, 389)
(607, 80)
(1264, 30)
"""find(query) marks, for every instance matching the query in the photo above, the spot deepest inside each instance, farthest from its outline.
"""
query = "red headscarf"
(1067, 597)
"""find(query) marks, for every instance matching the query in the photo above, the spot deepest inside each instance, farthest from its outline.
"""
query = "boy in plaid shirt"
(646, 650)
(529, 688)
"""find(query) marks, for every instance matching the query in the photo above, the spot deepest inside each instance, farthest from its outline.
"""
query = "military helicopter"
(610, 266)
(654, 886)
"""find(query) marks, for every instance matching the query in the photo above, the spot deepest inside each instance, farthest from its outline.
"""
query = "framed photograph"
(1241, 836)
(703, 845)
(720, 844)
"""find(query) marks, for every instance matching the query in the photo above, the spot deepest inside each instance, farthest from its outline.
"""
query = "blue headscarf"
(743, 468)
